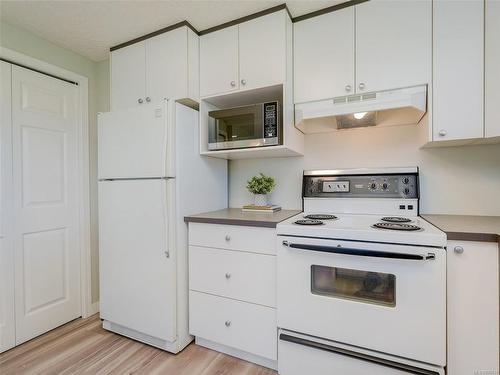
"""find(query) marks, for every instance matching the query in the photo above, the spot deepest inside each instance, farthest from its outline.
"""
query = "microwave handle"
(359, 252)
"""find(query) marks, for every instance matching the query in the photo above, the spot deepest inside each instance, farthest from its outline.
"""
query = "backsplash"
(454, 180)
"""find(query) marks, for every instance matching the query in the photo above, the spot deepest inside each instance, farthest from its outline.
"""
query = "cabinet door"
(472, 280)
(219, 61)
(324, 56)
(167, 65)
(393, 44)
(492, 64)
(128, 67)
(262, 49)
(7, 319)
(458, 68)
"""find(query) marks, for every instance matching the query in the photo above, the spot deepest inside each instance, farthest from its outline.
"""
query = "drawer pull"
(228, 237)
(228, 275)
(228, 323)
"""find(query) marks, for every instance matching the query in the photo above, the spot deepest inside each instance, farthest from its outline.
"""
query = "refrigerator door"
(137, 270)
(133, 142)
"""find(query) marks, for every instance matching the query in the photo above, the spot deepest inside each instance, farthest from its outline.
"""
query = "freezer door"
(133, 142)
(137, 269)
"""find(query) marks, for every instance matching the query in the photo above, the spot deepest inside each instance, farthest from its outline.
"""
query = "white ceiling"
(90, 28)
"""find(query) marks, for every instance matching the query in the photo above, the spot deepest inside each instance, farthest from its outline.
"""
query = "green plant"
(261, 184)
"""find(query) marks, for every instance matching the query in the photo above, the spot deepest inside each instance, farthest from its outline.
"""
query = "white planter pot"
(260, 199)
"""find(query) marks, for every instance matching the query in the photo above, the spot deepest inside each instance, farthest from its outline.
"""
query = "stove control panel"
(335, 186)
(362, 186)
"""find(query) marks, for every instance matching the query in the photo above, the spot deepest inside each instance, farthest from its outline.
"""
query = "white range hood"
(382, 108)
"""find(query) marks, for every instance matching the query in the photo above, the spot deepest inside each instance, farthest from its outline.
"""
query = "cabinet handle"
(228, 323)
(361, 86)
(140, 101)
(233, 83)
(228, 275)
(348, 88)
(228, 237)
(458, 249)
(243, 81)
(442, 133)
(148, 99)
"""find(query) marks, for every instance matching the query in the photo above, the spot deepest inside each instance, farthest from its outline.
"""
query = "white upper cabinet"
(167, 70)
(128, 67)
(245, 56)
(458, 69)
(377, 45)
(164, 66)
(219, 61)
(492, 64)
(393, 44)
(324, 56)
(262, 51)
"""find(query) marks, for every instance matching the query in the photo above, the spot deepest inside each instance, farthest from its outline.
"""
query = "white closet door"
(137, 267)
(7, 319)
(45, 173)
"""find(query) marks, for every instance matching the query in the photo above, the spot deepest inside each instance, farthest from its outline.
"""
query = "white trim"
(87, 308)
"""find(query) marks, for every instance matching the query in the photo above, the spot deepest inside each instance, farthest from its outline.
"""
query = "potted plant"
(260, 186)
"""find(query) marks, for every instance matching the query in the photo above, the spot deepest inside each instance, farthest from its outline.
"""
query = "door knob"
(148, 99)
(348, 88)
(243, 81)
(442, 133)
(458, 249)
(233, 83)
(361, 86)
(140, 101)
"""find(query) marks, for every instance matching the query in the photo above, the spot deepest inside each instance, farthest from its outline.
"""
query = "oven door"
(384, 297)
(236, 128)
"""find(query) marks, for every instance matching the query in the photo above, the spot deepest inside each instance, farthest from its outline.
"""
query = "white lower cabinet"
(473, 308)
(232, 290)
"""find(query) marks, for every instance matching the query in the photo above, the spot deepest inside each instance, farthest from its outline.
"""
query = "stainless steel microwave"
(255, 125)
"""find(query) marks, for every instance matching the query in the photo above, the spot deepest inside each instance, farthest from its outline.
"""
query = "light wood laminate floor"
(83, 347)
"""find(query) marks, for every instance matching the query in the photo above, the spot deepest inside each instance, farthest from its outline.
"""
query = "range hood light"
(359, 115)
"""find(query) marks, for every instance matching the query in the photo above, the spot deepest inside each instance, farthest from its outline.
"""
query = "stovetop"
(360, 227)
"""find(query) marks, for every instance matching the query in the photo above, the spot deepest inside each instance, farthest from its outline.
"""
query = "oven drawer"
(244, 326)
(234, 274)
(233, 237)
(300, 355)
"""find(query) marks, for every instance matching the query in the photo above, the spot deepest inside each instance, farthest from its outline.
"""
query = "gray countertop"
(467, 227)
(234, 216)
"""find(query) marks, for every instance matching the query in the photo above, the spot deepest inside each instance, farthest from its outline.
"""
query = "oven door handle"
(359, 252)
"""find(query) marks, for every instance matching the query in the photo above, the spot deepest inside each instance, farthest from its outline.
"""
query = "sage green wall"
(29, 44)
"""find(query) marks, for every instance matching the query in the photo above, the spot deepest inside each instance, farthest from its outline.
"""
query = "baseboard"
(94, 308)
(172, 347)
(249, 357)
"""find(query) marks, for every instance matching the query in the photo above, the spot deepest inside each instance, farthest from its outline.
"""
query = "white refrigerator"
(150, 176)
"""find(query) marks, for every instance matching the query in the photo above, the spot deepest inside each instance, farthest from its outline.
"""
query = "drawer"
(240, 275)
(241, 325)
(233, 237)
(302, 357)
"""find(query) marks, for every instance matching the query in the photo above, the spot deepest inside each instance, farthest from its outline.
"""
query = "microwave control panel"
(270, 120)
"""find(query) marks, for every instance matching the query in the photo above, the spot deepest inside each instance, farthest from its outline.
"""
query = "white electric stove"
(361, 278)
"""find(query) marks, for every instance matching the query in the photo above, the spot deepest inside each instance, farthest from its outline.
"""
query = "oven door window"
(363, 286)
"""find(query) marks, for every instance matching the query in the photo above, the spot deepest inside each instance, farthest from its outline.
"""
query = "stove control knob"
(406, 180)
(373, 185)
(406, 191)
(385, 186)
